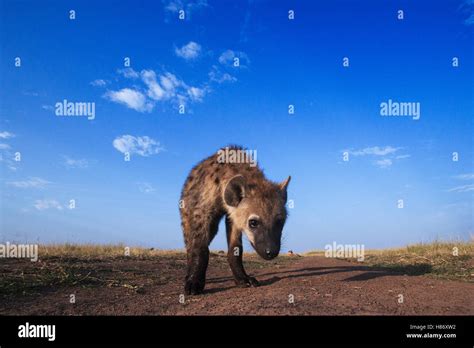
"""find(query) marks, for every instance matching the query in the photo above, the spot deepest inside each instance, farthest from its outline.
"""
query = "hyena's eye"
(253, 223)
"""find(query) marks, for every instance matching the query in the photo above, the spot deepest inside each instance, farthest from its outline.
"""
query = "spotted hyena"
(225, 185)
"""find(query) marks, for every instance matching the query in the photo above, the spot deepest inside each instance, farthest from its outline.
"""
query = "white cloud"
(228, 58)
(8, 163)
(189, 6)
(164, 90)
(165, 87)
(216, 75)
(388, 152)
(155, 91)
(189, 51)
(43, 204)
(131, 98)
(31, 93)
(375, 151)
(29, 183)
(170, 87)
(467, 8)
(47, 107)
(98, 83)
(464, 188)
(75, 163)
(6, 156)
(469, 176)
(384, 163)
(129, 73)
(143, 146)
(6, 135)
(196, 94)
(402, 156)
(170, 82)
(145, 187)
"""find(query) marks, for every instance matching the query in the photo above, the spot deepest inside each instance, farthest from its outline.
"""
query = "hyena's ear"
(284, 186)
(234, 191)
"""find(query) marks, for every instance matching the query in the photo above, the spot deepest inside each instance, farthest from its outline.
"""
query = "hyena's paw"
(193, 286)
(247, 282)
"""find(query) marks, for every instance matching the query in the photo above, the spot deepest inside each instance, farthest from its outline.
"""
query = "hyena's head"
(259, 211)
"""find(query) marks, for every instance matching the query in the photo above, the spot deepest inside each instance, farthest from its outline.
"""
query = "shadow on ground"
(368, 272)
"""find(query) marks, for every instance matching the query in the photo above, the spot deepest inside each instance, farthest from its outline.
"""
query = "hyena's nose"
(270, 254)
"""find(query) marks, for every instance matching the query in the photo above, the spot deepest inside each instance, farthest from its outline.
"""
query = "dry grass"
(69, 265)
(436, 259)
(85, 265)
(91, 265)
(96, 251)
(107, 251)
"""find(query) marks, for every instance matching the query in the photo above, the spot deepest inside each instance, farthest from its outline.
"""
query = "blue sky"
(190, 63)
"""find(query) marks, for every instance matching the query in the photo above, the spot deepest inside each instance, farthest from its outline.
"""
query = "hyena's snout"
(268, 248)
(271, 253)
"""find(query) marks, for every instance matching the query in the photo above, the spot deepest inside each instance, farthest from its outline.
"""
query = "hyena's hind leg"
(198, 258)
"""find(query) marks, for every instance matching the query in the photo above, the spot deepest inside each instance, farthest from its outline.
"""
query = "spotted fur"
(239, 193)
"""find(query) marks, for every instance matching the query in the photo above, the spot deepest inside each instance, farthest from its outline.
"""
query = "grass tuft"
(445, 260)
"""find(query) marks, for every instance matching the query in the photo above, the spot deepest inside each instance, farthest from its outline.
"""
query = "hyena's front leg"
(198, 259)
(234, 257)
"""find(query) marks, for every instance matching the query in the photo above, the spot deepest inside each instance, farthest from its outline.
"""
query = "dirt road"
(310, 285)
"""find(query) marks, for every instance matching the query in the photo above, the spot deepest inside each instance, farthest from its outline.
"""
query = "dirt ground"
(309, 285)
